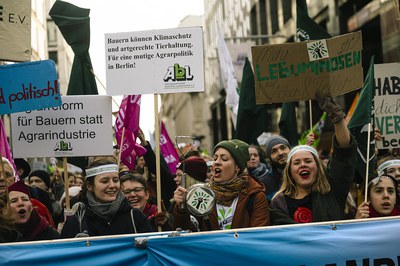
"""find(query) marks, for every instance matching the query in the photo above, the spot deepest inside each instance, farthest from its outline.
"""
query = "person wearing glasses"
(108, 212)
(135, 189)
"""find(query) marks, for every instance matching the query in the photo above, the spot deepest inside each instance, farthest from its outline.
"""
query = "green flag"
(307, 28)
(358, 125)
(252, 118)
(74, 24)
(288, 123)
(317, 130)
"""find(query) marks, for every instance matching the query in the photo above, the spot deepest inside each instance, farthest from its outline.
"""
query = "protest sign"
(298, 71)
(387, 104)
(28, 86)
(15, 30)
(157, 61)
(80, 126)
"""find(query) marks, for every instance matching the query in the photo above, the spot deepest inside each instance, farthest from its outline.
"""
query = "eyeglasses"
(135, 190)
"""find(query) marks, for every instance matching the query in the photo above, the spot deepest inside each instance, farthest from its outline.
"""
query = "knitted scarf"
(105, 210)
(373, 213)
(227, 191)
(33, 227)
(260, 171)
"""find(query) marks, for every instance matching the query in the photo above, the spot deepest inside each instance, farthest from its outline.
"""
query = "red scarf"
(373, 213)
(150, 210)
(33, 227)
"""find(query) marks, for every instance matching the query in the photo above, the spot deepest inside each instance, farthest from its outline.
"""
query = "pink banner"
(5, 147)
(168, 150)
(128, 118)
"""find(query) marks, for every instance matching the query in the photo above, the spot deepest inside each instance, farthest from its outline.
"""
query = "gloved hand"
(82, 234)
(161, 218)
(333, 110)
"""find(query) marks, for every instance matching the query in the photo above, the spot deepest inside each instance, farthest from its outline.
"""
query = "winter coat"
(330, 206)
(167, 181)
(9, 235)
(261, 173)
(121, 222)
(244, 216)
(37, 228)
(272, 182)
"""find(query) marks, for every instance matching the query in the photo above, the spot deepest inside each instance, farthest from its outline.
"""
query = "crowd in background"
(254, 186)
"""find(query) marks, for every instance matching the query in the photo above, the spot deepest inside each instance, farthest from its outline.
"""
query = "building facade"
(274, 21)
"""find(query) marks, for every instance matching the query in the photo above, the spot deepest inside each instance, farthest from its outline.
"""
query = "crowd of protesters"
(254, 186)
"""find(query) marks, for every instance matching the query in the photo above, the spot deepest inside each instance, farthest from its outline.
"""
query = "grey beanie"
(274, 140)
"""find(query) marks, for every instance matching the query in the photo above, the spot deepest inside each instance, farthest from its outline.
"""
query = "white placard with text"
(81, 126)
(156, 61)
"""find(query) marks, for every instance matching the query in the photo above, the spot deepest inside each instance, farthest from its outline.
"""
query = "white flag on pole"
(228, 76)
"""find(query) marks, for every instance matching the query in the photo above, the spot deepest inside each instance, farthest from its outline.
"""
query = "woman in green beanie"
(240, 199)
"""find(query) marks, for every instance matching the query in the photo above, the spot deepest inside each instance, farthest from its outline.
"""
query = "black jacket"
(330, 206)
(121, 223)
(167, 181)
(9, 235)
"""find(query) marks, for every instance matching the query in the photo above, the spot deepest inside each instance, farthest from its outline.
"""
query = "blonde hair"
(320, 185)
(4, 160)
(190, 181)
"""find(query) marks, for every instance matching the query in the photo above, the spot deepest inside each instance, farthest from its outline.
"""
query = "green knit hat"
(238, 149)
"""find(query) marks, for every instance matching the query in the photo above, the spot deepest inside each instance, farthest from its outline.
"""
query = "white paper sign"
(157, 61)
(81, 126)
(387, 104)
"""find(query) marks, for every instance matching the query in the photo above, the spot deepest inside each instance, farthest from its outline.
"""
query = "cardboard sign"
(28, 86)
(157, 61)
(387, 104)
(15, 30)
(298, 71)
(81, 126)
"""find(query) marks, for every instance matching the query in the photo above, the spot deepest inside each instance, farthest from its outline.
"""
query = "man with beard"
(277, 149)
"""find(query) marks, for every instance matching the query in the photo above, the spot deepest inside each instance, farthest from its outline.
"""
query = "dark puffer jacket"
(121, 222)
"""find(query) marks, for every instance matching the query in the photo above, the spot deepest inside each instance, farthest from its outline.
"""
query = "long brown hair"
(320, 185)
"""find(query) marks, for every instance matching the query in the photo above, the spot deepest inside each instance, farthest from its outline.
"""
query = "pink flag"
(128, 118)
(168, 150)
(4, 147)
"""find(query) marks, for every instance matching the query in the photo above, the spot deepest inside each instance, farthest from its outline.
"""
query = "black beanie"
(42, 175)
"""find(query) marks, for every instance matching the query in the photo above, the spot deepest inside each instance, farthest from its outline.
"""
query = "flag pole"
(367, 162)
(228, 122)
(3, 172)
(66, 183)
(311, 124)
(120, 146)
(157, 142)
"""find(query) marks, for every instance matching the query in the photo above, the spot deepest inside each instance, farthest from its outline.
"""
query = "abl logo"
(177, 73)
(63, 146)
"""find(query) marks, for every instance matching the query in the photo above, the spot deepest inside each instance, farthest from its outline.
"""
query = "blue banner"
(28, 86)
(356, 244)
(111, 251)
(364, 244)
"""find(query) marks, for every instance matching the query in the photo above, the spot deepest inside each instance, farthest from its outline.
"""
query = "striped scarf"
(227, 191)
